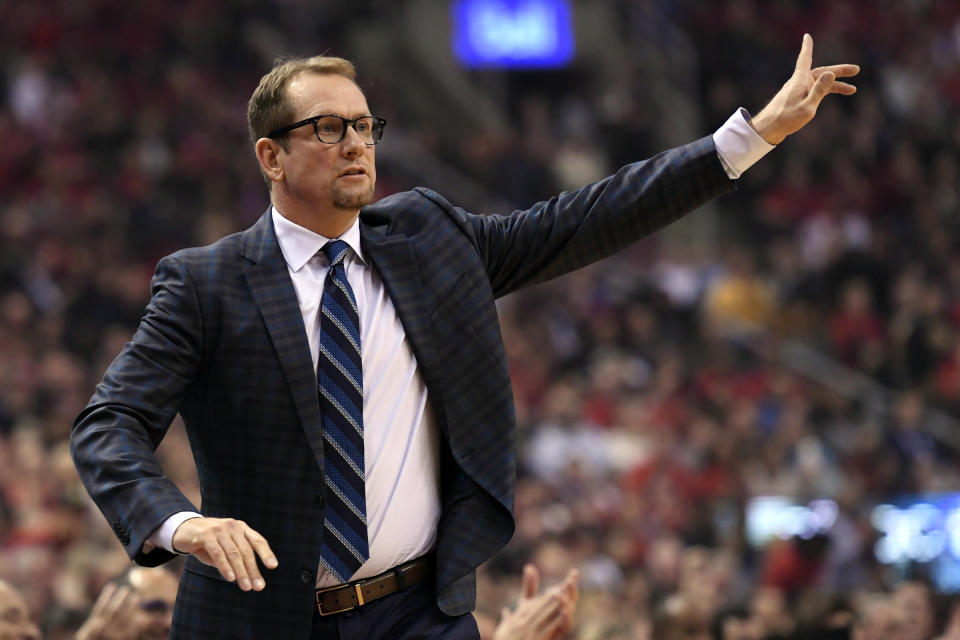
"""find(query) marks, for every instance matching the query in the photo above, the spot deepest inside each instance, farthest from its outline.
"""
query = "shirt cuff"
(738, 144)
(163, 536)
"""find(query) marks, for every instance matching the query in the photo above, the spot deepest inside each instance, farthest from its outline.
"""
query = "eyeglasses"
(331, 129)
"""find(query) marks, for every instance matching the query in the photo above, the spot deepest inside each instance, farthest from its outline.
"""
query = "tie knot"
(335, 250)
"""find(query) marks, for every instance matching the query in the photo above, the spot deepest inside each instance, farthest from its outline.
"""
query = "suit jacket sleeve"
(577, 228)
(113, 440)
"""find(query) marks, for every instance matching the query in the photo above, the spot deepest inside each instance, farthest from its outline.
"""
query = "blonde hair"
(269, 109)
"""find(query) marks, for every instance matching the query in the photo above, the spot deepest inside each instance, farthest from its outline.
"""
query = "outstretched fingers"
(839, 70)
(805, 59)
(842, 88)
(820, 89)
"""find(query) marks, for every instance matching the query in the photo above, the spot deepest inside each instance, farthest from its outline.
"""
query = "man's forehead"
(329, 93)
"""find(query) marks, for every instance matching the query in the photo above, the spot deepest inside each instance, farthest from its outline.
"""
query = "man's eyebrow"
(365, 114)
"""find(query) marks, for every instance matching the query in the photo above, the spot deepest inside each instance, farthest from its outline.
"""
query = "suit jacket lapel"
(393, 258)
(273, 292)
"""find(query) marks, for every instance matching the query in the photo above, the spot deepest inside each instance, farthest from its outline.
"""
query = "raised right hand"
(229, 545)
(797, 101)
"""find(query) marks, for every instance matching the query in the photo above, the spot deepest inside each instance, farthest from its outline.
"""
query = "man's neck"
(332, 223)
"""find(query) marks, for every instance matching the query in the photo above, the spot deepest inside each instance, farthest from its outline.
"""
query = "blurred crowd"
(651, 398)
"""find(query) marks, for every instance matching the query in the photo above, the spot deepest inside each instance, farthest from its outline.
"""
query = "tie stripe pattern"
(340, 380)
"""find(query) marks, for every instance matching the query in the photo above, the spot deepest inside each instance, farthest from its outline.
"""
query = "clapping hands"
(544, 616)
(113, 615)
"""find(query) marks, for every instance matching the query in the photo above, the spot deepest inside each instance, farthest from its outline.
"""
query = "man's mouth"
(353, 171)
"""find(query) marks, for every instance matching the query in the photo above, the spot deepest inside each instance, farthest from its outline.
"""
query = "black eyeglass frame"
(276, 133)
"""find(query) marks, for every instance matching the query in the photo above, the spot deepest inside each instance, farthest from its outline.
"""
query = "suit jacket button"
(306, 577)
(124, 539)
(318, 500)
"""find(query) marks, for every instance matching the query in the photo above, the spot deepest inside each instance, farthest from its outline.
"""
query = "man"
(136, 605)
(15, 621)
(341, 374)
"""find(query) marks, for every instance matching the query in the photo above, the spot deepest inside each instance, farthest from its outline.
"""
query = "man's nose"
(353, 146)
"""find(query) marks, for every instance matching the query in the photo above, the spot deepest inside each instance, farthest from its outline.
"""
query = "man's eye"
(363, 125)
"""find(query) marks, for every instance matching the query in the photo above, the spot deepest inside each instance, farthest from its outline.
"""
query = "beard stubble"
(351, 199)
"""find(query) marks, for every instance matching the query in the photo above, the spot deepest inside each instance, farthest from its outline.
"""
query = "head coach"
(341, 374)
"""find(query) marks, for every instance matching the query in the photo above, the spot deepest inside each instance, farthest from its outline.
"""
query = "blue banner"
(513, 33)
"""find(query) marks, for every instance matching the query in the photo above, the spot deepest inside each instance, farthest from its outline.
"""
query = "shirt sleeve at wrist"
(738, 144)
(163, 535)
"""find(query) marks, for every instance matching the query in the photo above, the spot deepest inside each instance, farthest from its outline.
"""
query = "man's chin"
(352, 199)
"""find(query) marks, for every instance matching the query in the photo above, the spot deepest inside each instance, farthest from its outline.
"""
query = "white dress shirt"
(401, 441)
(400, 437)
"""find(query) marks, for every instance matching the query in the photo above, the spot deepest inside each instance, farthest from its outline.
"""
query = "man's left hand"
(797, 101)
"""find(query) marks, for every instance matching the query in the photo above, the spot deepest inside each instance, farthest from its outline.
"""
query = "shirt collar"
(299, 244)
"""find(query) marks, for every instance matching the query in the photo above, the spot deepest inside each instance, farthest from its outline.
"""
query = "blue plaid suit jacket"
(222, 342)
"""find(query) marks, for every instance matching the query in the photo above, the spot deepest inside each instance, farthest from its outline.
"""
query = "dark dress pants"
(411, 614)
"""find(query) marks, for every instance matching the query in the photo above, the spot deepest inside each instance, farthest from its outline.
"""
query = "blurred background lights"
(513, 33)
(915, 533)
(770, 517)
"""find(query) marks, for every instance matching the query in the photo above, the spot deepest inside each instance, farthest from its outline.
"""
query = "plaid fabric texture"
(223, 343)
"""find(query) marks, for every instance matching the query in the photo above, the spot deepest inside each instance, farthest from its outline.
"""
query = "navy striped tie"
(340, 377)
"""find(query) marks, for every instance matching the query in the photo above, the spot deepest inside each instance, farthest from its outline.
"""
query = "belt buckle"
(358, 592)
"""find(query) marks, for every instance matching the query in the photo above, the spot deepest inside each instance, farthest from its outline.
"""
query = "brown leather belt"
(351, 595)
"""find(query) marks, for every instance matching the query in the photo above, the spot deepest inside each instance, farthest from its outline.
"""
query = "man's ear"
(268, 155)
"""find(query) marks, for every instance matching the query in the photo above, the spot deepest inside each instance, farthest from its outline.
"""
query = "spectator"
(15, 620)
(679, 618)
(880, 619)
(138, 605)
(914, 601)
